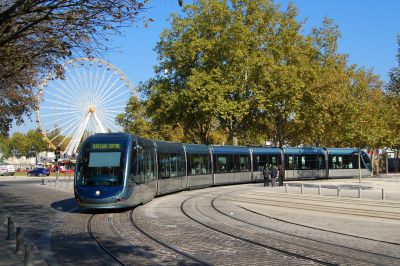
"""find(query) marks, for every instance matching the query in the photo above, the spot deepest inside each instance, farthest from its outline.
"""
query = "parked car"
(7, 169)
(39, 172)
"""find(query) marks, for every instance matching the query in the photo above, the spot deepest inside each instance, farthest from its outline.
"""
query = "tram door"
(146, 158)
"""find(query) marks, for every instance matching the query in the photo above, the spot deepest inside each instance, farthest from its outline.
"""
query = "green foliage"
(23, 144)
(36, 35)
(244, 70)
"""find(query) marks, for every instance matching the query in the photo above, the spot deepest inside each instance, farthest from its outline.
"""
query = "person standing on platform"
(266, 175)
(274, 173)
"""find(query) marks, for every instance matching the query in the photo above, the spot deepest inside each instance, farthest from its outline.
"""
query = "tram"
(118, 170)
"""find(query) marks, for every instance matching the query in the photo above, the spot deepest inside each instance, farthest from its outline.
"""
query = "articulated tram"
(117, 170)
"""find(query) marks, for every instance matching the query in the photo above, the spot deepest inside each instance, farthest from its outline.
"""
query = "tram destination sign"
(106, 146)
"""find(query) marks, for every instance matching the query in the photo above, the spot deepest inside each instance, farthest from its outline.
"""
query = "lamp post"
(359, 165)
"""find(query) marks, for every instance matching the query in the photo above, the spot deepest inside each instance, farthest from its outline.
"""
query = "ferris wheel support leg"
(76, 138)
(99, 124)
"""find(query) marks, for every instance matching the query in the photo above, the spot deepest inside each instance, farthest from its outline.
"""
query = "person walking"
(266, 175)
(274, 173)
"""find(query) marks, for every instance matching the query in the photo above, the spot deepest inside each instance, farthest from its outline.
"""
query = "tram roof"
(266, 150)
(341, 151)
(292, 151)
(168, 146)
(197, 148)
(230, 150)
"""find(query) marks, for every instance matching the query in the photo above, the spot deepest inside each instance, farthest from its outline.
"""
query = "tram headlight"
(97, 192)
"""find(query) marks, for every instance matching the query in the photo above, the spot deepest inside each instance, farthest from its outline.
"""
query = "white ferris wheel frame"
(90, 114)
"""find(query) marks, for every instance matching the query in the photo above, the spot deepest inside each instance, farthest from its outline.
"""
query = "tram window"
(174, 165)
(199, 164)
(244, 163)
(194, 167)
(289, 162)
(149, 165)
(233, 163)
(367, 161)
(181, 165)
(273, 160)
(259, 162)
(205, 164)
(335, 161)
(350, 161)
(306, 162)
(221, 164)
(321, 162)
(164, 166)
(137, 167)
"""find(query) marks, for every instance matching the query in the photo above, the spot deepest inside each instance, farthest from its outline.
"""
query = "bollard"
(319, 189)
(286, 187)
(359, 192)
(28, 255)
(43, 183)
(11, 233)
(383, 194)
(19, 241)
(51, 181)
(338, 191)
(301, 189)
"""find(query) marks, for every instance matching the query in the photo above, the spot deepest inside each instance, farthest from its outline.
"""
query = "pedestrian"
(266, 175)
(274, 173)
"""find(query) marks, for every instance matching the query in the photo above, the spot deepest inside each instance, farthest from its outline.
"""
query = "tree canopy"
(36, 35)
(244, 72)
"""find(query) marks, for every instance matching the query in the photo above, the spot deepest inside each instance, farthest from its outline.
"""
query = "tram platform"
(383, 187)
(370, 187)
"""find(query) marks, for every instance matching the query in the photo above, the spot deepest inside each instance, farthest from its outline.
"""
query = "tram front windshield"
(101, 164)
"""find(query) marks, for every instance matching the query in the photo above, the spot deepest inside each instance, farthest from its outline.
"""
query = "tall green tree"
(35, 142)
(322, 97)
(393, 99)
(18, 145)
(223, 64)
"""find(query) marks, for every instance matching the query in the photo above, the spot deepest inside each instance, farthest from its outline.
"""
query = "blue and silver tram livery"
(117, 170)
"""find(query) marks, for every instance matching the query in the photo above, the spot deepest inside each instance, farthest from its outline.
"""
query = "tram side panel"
(343, 163)
(231, 165)
(199, 166)
(304, 163)
(265, 156)
(149, 186)
(171, 165)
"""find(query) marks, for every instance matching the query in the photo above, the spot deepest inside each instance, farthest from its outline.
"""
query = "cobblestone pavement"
(231, 225)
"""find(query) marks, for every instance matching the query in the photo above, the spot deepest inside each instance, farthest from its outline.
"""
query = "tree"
(393, 100)
(18, 145)
(4, 148)
(216, 58)
(36, 142)
(36, 35)
(393, 86)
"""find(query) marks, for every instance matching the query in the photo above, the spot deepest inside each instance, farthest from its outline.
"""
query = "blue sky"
(369, 29)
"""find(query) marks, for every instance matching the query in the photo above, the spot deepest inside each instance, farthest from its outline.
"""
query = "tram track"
(99, 244)
(308, 239)
(247, 240)
(320, 229)
(163, 243)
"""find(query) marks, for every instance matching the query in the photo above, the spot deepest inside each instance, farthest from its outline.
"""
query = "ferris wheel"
(85, 101)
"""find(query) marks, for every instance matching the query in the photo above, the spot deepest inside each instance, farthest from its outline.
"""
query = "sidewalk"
(7, 252)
